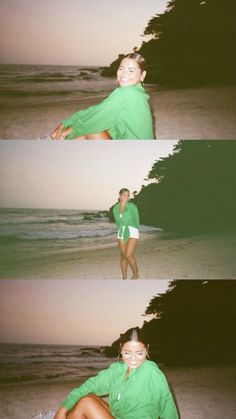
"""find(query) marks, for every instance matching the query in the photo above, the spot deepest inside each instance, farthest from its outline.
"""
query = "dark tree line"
(193, 324)
(193, 43)
(193, 190)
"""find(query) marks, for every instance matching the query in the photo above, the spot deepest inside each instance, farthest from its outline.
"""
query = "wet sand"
(158, 257)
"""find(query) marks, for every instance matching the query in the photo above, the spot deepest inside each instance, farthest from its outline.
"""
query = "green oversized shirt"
(144, 394)
(125, 114)
(130, 217)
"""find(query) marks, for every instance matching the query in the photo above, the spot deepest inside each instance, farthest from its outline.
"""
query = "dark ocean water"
(41, 84)
(24, 363)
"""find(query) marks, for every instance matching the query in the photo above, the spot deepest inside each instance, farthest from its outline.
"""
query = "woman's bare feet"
(135, 276)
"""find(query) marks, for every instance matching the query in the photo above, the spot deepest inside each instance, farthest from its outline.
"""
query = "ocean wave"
(32, 74)
(52, 78)
(46, 222)
(56, 235)
(80, 233)
(22, 219)
(29, 93)
(80, 353)
(150, 229)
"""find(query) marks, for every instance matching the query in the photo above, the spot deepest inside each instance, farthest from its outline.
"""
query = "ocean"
(26, 234)
(32, 363)
(43, 84)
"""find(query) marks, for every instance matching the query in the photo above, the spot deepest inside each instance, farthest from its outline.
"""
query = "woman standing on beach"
(137, 388)
(124, 114)
(127, 220)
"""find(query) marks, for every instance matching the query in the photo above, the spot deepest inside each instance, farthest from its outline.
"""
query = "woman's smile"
(133, 364)
(124, 80)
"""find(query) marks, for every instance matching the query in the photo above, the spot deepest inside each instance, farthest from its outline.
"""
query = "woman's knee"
(129, 256)
(123, 257)
(84, 401)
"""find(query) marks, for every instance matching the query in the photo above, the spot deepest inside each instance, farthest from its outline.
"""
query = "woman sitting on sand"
(127, 220)
(124, 114)
(137, 388)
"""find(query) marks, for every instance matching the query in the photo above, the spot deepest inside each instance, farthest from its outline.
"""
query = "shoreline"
(195, 257)
(186, 113)
(200, 393)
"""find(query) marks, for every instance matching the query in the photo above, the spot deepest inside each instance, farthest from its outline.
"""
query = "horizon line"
(52, 344)
(61, 65)
(63, 209)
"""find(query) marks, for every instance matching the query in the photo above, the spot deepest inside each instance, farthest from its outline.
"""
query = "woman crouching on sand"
(124, 114)
(136, 387)
(127, 220)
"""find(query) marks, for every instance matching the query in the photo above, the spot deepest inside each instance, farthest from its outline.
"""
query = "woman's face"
(129, 73)
(133, 354)
(124, 197)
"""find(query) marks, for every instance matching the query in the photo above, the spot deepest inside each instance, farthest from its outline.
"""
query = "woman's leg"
(123, 260)
(103, 135)
(90, 407)
(130, 257)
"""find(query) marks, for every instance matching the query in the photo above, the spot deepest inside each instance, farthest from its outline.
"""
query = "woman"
(127, 220)
(124, 114)
(137, 388)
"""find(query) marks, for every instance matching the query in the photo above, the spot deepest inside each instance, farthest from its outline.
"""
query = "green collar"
(137, 86)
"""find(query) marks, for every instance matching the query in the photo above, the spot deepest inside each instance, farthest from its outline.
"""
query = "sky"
(72, 32)
(70, 312)
(84, 175)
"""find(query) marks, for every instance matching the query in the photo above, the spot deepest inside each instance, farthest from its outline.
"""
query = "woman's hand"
(61, 413)
(59, 134)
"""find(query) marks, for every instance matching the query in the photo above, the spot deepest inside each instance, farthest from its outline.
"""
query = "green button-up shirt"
(125, 114)
(130, 217)
(144, 394)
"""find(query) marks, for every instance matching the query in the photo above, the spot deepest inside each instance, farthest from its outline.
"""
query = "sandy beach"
(193, 113)
(158, 257)
(201, 393)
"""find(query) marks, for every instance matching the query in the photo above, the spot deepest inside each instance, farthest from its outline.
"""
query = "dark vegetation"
(193, 190)
(193, 324)
(192, 44)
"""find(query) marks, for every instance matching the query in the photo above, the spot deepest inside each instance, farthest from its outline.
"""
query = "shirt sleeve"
(97, 118)
(115, 215)
(168, 409)
(136, 215)
(99, 385)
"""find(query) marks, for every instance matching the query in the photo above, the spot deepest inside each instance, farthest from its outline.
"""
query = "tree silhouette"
(193, 43)
(194, 189)
(194, 323)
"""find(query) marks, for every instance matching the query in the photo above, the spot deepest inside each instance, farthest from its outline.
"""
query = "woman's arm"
(61, 413)
(114, 210)
(97, 118)
(168, 410)
(98, 385)
(167, 405)
(135, 215)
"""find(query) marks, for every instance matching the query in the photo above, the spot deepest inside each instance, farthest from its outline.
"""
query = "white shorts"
(133, 233)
